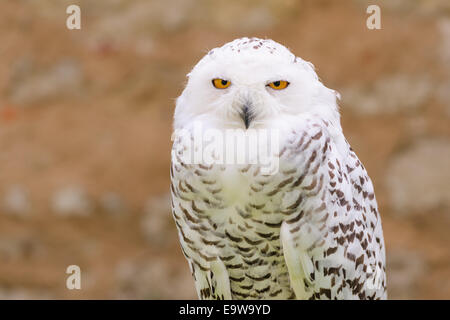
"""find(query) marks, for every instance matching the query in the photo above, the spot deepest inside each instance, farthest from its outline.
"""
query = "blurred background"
(85, 124)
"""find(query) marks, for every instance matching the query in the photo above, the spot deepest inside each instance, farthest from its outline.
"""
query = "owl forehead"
(252, 48)
(250, 60)
(254, 44)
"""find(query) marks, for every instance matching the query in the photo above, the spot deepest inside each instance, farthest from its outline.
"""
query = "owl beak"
(246, 115)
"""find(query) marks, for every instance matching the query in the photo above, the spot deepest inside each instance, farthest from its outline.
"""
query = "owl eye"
(278, 85)
(221, 83)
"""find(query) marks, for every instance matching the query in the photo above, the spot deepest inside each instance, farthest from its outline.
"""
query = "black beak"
(246, 115)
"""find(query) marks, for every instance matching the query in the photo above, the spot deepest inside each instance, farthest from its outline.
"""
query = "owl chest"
(238, 190)
(233, 214)
(233, 208)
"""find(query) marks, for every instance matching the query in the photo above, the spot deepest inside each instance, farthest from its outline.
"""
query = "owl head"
(253, 83)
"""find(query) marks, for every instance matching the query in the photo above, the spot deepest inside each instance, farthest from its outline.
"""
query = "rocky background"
(85, 123)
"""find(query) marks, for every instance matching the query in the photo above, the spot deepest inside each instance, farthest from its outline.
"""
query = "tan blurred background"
(85, 123)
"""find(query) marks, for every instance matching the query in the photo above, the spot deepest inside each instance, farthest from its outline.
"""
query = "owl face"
(251, 83)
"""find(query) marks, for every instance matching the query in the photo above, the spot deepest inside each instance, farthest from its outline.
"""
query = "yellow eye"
(220, 83)
(278, 85)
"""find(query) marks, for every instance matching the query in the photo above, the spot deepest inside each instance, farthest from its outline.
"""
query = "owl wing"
(332, 242)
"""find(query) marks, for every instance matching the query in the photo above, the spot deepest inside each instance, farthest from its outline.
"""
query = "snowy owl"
(310, 228)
